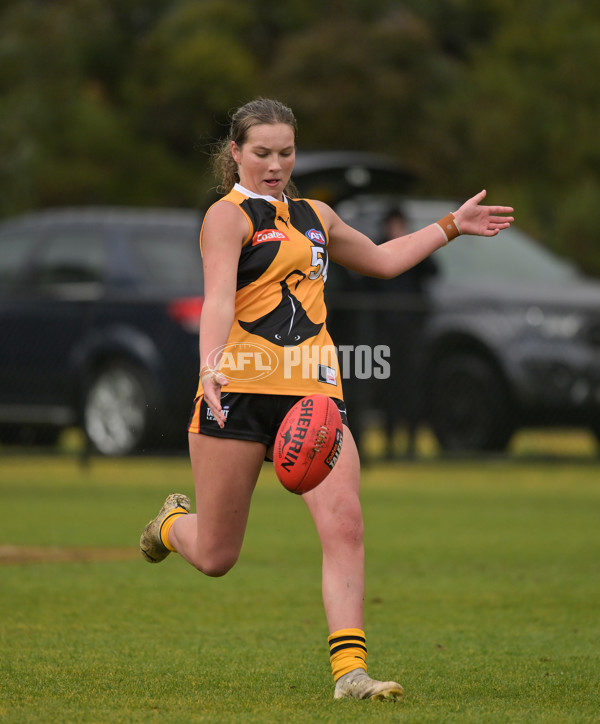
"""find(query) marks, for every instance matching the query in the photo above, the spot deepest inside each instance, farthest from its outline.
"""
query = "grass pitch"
(482, 599)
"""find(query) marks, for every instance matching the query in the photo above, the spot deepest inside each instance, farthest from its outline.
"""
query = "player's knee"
(346, 525)
(353, 531)
(217, 564)
(216, 570)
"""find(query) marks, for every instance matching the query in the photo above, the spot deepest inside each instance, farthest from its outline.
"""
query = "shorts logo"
(269, 235)
(316, 236)
(210, 416)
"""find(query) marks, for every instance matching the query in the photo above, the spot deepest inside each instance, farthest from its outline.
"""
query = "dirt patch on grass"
(20, 555)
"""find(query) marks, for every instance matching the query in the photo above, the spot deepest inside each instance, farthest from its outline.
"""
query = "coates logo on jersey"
(269, 235)
(316, 236)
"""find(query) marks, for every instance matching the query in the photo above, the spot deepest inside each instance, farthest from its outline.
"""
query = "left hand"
(212, 382)
(482, 220)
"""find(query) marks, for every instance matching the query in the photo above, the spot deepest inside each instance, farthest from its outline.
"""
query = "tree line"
(120, 101)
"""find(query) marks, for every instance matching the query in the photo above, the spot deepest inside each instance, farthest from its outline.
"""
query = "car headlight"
(554, 325)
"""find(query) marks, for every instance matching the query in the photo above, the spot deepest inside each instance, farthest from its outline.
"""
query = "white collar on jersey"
(252, 195)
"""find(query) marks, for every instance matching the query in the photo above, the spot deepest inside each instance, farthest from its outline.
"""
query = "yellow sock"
(165, 526)
(347, 651)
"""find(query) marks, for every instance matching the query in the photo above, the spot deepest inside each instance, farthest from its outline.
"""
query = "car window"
(168, 257)
(511, 256)
(15, 246)
(71, 256)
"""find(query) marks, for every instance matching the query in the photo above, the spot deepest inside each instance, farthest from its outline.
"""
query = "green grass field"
(482, 599)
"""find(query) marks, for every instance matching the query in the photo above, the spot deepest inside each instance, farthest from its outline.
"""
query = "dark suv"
(510, 334)
(99, 312)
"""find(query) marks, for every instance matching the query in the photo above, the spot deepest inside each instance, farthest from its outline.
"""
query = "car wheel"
(469, 406)
(119, 409)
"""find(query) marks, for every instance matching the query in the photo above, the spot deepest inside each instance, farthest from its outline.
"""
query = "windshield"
(512, 256)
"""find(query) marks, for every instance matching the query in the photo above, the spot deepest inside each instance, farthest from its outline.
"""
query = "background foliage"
(119, 101)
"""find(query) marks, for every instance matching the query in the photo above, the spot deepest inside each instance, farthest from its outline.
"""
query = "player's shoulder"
(226, 211)
(225, 220)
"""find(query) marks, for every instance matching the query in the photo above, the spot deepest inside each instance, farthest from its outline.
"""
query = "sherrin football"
(308, 443)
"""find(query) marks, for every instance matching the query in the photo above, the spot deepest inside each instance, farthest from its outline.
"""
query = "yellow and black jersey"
(279, 343)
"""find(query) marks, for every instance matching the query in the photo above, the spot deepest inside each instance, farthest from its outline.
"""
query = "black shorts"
(248, 416)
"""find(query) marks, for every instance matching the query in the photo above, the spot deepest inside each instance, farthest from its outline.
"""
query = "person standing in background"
(401, 326)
